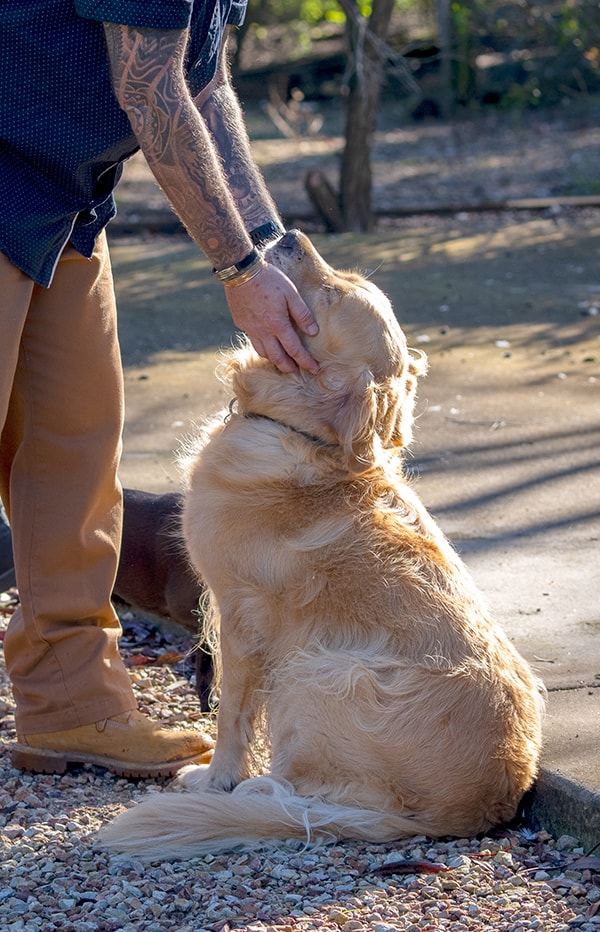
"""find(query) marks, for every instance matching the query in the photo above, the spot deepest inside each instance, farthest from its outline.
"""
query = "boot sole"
(39, 760)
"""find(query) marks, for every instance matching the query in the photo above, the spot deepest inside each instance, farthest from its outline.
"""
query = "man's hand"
(266, 308)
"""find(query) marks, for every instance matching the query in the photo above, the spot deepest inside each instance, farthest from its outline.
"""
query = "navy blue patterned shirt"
(63, 136)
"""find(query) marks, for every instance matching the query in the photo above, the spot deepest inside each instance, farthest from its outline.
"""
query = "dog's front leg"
(243, 675)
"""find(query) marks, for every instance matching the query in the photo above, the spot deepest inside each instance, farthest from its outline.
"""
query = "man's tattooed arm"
(149, 83)
(222, 113)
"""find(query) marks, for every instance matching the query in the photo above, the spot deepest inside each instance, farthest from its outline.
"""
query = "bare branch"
(365, 37)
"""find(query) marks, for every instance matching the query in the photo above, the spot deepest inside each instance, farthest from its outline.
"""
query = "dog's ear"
(398, 401)
(367, 415)
(339, 403)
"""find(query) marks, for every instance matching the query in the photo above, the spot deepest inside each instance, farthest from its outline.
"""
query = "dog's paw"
(200, 778)
(193, 778)
(222, 783)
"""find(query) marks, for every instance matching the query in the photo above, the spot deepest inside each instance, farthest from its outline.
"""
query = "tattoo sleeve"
(222, 113)
(149, 83)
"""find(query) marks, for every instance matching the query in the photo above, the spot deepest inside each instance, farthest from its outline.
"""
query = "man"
(85, 83)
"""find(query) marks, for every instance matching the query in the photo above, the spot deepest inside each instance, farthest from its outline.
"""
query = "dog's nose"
(289, 239)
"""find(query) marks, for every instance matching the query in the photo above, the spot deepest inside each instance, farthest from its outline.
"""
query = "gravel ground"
(54, 878)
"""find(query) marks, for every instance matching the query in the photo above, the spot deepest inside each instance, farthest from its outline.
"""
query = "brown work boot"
(129, 745)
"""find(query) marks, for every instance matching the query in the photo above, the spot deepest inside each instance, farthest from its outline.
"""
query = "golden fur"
(394, 705)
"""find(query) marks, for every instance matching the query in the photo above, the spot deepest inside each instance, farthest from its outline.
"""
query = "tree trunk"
(326, 201)
(368, 58)
(445, 35)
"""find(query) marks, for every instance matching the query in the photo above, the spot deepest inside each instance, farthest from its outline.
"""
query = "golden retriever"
(347, 624)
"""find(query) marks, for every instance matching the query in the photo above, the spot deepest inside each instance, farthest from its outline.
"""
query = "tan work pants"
(61, 407)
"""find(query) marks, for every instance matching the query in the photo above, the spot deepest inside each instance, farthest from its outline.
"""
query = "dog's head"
(362, 398)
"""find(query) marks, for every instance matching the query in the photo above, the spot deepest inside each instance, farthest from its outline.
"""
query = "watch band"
(265, 233)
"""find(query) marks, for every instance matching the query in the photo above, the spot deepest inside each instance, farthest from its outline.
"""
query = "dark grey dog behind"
(154, 573)
(7, 569)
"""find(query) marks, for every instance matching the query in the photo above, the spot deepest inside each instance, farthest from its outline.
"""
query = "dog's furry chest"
(252, 477)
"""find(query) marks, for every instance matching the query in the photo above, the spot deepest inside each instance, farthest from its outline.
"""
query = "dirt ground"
(490, 156)
(498, 302)
(463, 282)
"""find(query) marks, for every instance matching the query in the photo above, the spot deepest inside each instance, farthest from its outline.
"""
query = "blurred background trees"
(439, 57)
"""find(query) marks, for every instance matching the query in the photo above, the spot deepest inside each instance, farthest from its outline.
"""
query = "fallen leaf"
(138, 660)
(169, 658)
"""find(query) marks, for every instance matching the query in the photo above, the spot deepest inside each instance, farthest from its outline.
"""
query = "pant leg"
(59, 455)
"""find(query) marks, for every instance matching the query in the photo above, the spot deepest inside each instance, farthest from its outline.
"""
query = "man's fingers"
(283, 347)
(302, 316)
(295, 350)
(275, 353)
(259, 347)
(272, 350)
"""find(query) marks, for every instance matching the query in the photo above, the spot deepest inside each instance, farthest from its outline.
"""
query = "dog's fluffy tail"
(259, 811)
